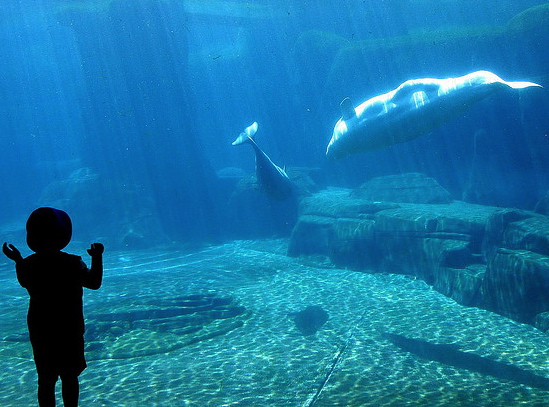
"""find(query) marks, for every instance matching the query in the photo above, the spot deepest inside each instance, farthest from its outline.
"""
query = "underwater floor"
(211, 328)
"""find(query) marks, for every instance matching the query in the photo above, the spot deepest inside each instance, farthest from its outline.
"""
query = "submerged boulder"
(516, 247)
(122, 215)
(334, 224)
(252, 214)
(483, 256)
(516, 284)
(410, 188)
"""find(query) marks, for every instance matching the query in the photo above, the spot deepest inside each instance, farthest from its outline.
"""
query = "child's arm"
(95, 275)
(11, 252)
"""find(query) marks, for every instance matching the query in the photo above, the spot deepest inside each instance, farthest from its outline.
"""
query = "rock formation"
(488, 257)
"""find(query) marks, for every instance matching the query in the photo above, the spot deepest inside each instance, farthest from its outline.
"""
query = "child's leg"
(46, 390)
(70, 389)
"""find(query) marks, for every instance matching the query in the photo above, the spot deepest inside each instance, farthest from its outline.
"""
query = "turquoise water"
(123, 113)
(263, 360)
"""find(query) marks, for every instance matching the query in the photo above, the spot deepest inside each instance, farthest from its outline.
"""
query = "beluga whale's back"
(414, 108)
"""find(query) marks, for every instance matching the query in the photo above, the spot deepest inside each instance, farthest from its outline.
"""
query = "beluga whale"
(272, 179)
(414, 108)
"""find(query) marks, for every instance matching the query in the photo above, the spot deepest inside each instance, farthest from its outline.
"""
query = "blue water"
(147, 97)
(122, 112)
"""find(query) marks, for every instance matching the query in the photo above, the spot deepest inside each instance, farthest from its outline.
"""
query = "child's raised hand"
(12, 252)
(96, 249)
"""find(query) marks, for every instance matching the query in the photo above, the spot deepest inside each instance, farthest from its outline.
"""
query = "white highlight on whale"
(414, 108)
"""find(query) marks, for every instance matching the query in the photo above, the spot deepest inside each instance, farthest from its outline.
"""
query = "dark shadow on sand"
(450, 354)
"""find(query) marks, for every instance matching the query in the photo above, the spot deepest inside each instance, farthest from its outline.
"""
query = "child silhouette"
(54, 280)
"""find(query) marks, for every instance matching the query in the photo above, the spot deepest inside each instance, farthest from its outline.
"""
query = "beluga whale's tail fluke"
(486, 77)
(246, 135)
(272, 179)
(414, 108)
(522, 85)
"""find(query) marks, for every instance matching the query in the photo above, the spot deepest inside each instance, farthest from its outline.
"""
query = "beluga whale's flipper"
(415, 108)
(347, 109)
(272, 179)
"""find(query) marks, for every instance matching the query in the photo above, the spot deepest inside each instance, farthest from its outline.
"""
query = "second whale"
(414, 108)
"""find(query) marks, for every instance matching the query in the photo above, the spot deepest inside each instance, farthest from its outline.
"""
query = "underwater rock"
(340, 203)
(529, 234)
(483, 256)
(333, 224)
(541, 321)
(363, 234)
(120, 214)
(422, 239)
(409, 188)
(463, 285)
(516, 229)
(306, 180)
(309, 320)
(252, 215)
(346, 241)
(336, 225)
(516, 284)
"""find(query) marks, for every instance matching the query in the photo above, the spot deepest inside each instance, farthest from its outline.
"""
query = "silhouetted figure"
(54, 280)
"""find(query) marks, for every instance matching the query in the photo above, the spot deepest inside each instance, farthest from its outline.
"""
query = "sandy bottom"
(172, 327)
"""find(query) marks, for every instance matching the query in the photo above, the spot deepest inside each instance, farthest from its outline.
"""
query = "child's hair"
(48, 229)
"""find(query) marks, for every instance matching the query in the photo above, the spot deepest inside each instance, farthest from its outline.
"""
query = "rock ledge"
(488, 257)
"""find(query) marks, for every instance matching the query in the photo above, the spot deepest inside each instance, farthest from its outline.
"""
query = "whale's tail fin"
(487, 77)
(248, 133)
(522, 85)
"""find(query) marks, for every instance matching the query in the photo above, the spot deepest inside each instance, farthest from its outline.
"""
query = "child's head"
(48, 230)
